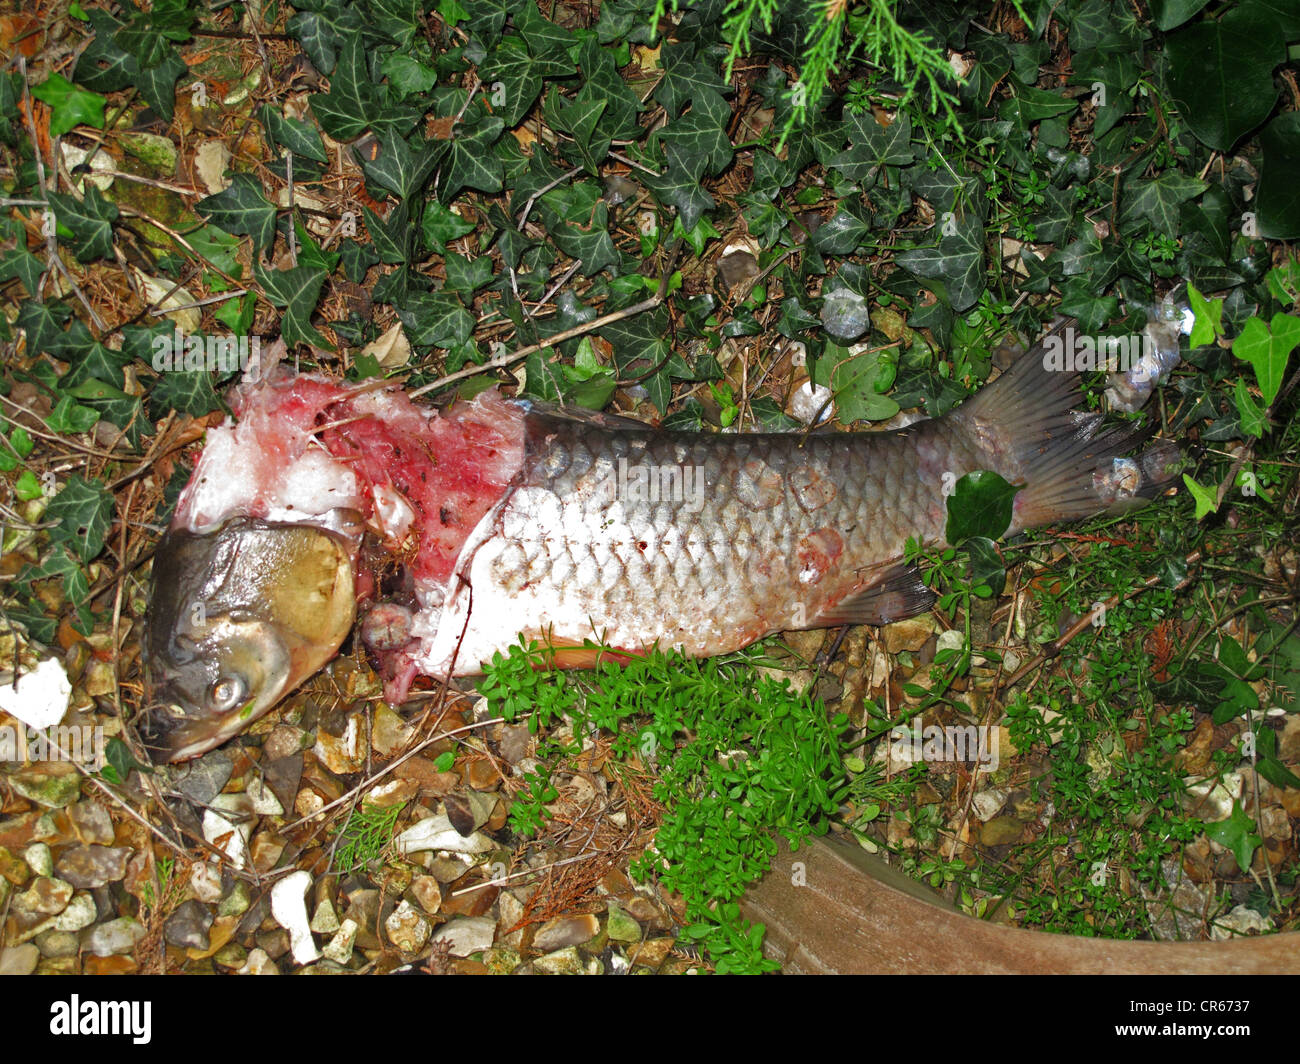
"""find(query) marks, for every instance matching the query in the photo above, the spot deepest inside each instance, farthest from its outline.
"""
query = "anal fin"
(897, 592)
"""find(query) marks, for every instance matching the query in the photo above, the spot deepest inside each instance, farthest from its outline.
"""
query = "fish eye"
(226, 693)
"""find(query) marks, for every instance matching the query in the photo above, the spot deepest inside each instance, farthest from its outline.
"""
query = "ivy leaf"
(353, 106)
(955, 269)
(83, 511)
(987, 572)
(19, 263)
(441, 225)
(119, 762)
(432, 319)
(149, 36)
(98, 362)
(514, 69)
(1028, 105)
(105, 66)
(980, 505)
(1278, 203)
(465, 274)
(1269, 766)
(542, 376)
(1170, 14)
(1206, 502)
(1208, 318)
(390, 238)
(472, 163)
(1237, 835)
(1253, 422)
(1267, 349)
(548, 42)
(845, 230)
(1222, 73)
(401, 169)
(320, 31)
(70, 417)
(1158, 201)
(242, 209)
(703, 131)
(184, 391)
(90, 221)
(43, 324)
(680, 187)
(298, 291)
(582, 119)
(1088, 257)
(116, 407)
(102, 65)
(590, 383)
(401, 20)
(858, 383)
(1079, 299)
(685, 77)
(292, 134)
(873, 147)
(406, 75)
(640, 342)
(591, 244)
(486, 17)
(310, 253)
(218, 247)
(70, 106)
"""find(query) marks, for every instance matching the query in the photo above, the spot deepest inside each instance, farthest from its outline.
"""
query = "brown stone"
(482, 775)
(474, 903)
(650, 953)
(116, 965)
(433, 784)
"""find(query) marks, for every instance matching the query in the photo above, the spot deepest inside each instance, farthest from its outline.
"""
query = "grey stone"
(87, 867)
(187, 927)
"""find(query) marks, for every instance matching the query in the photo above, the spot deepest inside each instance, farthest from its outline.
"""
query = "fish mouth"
(239, 617)
(169, 733)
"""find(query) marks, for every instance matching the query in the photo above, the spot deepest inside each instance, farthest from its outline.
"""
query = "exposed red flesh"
(306, 444)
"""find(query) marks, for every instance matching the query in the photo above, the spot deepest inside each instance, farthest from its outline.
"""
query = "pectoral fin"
(895, 593)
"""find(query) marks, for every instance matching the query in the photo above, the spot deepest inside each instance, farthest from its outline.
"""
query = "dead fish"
(513, 520)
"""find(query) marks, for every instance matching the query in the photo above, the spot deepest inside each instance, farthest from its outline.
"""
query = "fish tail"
(1030, 428)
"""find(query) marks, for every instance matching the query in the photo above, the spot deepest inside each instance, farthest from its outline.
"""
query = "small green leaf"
(70, 417)
(1253, 422)
(184, 391)
(27, 487)
(1206, 502)
(987, 569)
(1267, 349)
(1208, 315)
(70, 106)
(955, 268)
(120, 761)
(980, 505)
(1236, 834)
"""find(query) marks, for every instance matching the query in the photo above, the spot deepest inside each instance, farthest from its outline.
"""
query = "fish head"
(239, 617)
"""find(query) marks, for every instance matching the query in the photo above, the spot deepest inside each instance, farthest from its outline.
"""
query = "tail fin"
(1029, 425)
